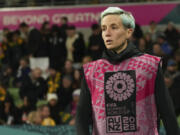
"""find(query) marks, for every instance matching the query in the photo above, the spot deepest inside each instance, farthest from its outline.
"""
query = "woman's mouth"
(108, 42)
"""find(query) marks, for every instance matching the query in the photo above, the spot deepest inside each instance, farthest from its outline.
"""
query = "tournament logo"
(120, 86)
(120, 101)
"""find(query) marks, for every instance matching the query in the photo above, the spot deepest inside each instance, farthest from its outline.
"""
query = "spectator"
(63, 27)
(142, 45)
(22, 72)
(168, 79)
(4, 50)
(24, 31)
(52, 99)
(68, 116)
(175, 86)
(96, 43)
(9, 114)
(68, 68)
(153, 30)
(66, 91)
(6, 76)
(157, 50)
(5, 31)
(73, 105)
(75, 45)
(34, 118)
(35, 45)
(149, 43)
(4, 94)
(45, 28)
(45, 115)
(77, 79)
(45, 33)
(172, 68)
(166, 48)
(57, 49)
(172, 35)
(16, 49)
(138, 33)
(25, 109)
(54, 80)
(33, 86)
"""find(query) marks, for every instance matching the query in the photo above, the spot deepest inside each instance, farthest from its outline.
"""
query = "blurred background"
(44, 43)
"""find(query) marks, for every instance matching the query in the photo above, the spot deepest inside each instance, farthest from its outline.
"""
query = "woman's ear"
(129, 32)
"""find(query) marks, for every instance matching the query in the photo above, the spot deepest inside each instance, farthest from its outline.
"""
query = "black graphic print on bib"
(120, 101)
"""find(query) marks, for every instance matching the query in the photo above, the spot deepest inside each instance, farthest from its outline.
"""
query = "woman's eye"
(103, 29)
(114, 27)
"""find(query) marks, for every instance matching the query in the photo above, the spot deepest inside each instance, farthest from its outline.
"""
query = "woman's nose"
(108, 32)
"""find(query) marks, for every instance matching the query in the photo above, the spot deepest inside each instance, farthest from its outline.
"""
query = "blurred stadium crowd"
(67, 51)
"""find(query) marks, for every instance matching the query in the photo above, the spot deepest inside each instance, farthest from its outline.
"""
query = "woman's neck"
(121, 47)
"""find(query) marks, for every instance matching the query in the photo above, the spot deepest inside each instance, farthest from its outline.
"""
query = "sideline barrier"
(45, 130)
(37, 130)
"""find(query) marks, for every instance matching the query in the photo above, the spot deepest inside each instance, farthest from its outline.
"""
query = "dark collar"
(130, 51)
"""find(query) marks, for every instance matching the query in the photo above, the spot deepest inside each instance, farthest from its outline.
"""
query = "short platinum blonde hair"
(127, 18)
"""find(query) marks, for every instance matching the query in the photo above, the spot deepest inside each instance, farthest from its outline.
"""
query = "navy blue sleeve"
(84, 110)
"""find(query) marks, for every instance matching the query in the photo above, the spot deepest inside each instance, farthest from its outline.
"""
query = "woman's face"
(114, 34)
